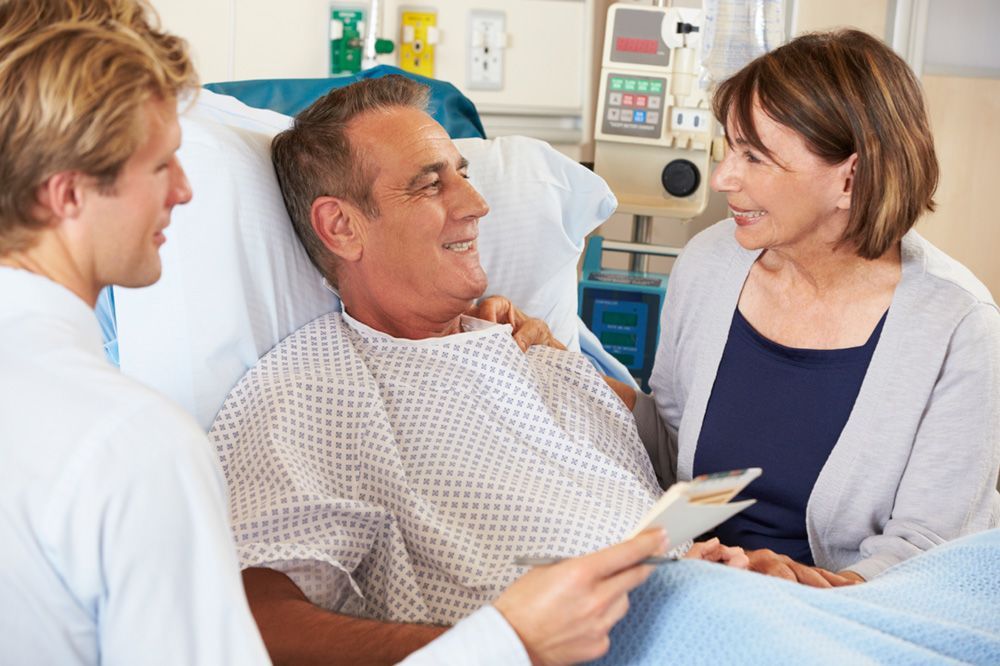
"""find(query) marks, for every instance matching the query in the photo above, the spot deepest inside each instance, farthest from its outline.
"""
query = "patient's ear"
(340, 227)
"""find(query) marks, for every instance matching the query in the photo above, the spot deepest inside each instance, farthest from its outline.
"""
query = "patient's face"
(420, 254)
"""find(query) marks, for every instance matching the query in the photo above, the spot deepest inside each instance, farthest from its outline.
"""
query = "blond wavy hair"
(73, 77)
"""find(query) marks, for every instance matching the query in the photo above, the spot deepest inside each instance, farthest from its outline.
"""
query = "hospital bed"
(236, 280)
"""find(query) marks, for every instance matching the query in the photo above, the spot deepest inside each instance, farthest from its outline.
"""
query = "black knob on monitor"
(680, 178)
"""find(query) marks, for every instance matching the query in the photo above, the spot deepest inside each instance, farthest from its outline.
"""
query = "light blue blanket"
(940, 607)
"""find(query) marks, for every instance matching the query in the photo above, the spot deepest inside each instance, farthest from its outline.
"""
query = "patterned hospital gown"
(398, 479)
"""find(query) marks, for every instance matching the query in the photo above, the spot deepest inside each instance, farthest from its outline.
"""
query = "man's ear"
(846, 178)
(340, 226)
(61, 196)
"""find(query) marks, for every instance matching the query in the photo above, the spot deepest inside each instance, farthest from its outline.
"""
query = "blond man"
(112, 512)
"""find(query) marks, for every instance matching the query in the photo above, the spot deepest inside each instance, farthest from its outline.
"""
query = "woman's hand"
(768, 562)
(713, 551)
(527, 332)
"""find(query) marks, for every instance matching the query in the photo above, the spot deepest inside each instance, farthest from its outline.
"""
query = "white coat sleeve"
(482, 639)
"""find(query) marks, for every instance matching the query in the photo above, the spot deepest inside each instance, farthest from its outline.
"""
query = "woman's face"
(795, 200)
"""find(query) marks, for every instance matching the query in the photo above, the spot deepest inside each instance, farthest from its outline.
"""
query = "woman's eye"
(753, 159)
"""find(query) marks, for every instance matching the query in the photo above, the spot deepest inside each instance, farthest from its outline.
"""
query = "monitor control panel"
(654, 127)
(634, 105)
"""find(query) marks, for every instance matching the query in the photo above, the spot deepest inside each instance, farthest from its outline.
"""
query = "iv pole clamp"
(642, 235)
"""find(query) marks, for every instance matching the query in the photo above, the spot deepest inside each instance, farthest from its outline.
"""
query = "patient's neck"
(411, 320)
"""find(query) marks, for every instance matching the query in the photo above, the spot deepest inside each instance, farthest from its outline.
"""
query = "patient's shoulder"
(315, 361)
(322, 349)
(324, 336)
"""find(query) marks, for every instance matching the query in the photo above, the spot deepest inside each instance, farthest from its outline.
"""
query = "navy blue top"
(781, 409)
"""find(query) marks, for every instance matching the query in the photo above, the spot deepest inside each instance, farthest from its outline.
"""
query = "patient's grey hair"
(315, 158)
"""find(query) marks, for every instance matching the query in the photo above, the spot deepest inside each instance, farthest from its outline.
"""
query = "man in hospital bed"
(392, 461)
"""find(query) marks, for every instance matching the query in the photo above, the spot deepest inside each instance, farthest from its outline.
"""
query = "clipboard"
(688, 509)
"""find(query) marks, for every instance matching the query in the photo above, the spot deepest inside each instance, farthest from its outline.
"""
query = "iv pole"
(642, 225)
(369, 55)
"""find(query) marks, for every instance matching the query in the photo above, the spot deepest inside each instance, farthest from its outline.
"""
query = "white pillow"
(542, 206)
(236, 279)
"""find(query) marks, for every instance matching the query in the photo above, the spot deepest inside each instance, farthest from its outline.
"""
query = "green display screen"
(618, 339)
(626, 359)
(620, 318)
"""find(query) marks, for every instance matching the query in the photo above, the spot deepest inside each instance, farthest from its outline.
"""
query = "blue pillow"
(448, 106)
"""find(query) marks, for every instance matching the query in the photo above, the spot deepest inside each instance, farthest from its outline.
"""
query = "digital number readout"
(636, 45)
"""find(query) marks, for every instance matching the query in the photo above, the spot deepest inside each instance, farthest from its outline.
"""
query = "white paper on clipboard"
(690, 508)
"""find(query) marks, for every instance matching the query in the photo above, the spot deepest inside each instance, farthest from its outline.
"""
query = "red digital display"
(635, 45)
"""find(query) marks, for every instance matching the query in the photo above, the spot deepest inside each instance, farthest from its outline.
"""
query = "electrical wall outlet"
(487, 43)
(419, 35)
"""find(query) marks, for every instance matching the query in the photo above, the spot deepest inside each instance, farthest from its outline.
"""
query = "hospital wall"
(240, 39)
(540, 85)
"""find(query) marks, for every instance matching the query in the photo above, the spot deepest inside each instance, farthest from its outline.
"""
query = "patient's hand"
(563, 612)
(528, 331)
(713, 551)
(768, 562)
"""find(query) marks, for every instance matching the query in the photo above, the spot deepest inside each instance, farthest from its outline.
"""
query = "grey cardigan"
(917, 461)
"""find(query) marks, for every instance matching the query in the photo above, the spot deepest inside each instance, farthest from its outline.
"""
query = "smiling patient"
(392, 460)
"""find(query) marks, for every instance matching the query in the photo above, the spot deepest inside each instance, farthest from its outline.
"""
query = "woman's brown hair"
(846, 92)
